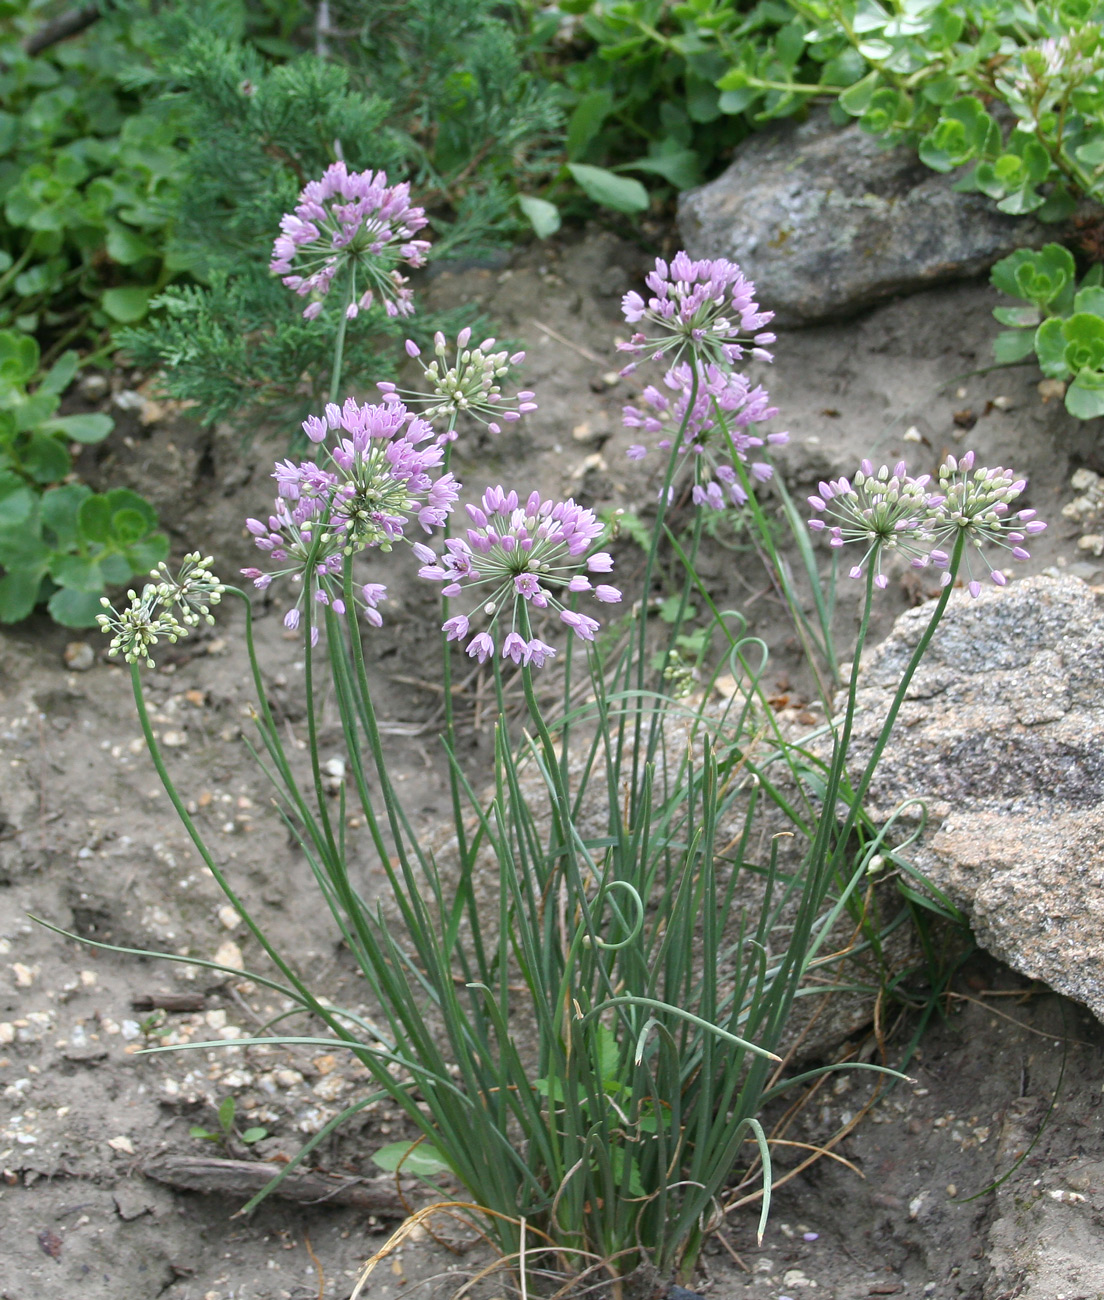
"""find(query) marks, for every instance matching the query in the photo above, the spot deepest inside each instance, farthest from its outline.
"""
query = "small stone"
(79, 656)
(325, 1064)
(174, 739)
(215, 1019)
(228, 917)
(24, 975)
(229, 954)
(121, 1143)
(7, 1033)
(329, 1088)
(1051, 390)
(92, 386)
(287, 1078)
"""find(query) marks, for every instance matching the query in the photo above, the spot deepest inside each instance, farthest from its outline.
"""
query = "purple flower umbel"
(374, 479)
(700, 309)
(882, 511)
(891, 511)
(354, 220)
(519, 552)
(716, 434)
(977, 502)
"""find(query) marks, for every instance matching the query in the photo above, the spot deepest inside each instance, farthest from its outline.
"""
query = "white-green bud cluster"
(166, 609)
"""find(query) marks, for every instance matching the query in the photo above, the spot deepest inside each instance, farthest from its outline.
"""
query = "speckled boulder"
(1002, 735)
(826, 221)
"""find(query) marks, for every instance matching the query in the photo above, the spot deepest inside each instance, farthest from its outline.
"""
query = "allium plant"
(353, 224)
(588, 1060)
(516, 556)
(469, 386)
(712, 413)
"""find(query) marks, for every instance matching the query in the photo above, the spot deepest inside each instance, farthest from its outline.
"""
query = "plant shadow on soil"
(88, 841)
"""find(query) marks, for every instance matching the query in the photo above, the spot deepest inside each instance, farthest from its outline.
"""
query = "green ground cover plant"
(1062, 322)
(1010, 90)
(586, 1063)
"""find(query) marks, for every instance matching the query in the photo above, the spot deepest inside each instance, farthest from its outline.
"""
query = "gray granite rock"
(826, 221)
(1002, 735)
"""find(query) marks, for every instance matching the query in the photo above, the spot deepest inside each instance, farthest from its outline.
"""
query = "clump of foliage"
(1062, 323)
(60, 542)
(87, 175)
(1013, 90)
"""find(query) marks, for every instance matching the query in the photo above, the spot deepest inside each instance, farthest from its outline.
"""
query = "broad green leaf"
(1090, 299)
(680, 168)
(94, 519)
(128, 527)
(1022, 201)
(606, 188)
(17, 501)
(543, 216)
(126, 247)
(1050, 348)
(1085, 396)
(1011, 346)
(18, 356)
(1092, 153)
(421, 1159)
(1017, 316)
(61, 511)
(72, 608)
(45, 458)
(586, 121)
(1084, 335)
(81, 572)
(125, 499)
(147, 553)
(855, 100)
(126, 305)
(116, 569)
(18, 593)
(88, 428)
(60, 374)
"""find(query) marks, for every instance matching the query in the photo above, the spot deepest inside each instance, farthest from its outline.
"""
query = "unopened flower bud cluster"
(165, 609)
(888, 511)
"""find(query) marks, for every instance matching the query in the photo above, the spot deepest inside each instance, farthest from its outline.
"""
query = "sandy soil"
(88, 841)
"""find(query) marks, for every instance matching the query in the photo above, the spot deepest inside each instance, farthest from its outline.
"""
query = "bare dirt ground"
(89, 842)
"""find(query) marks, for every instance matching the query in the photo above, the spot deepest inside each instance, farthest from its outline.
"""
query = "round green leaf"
(19, 590)
(1050, 348)
(45, 458)
(92, 427)
(127, 305)
(1011, 346)
(1085, 396)
(73, 608)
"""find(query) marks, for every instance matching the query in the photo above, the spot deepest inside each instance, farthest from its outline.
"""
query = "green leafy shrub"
(1014, 91)
(1063, 323)
(87, 169)
(59, 541)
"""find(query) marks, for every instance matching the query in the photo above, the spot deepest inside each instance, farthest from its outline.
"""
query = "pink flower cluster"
(889, 511)
(517, 552)
(354, 220)
(714, 416)
(375, 478)
(705, 309)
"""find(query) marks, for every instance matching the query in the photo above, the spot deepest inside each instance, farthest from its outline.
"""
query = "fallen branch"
(70, 23)
(245, 1178)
